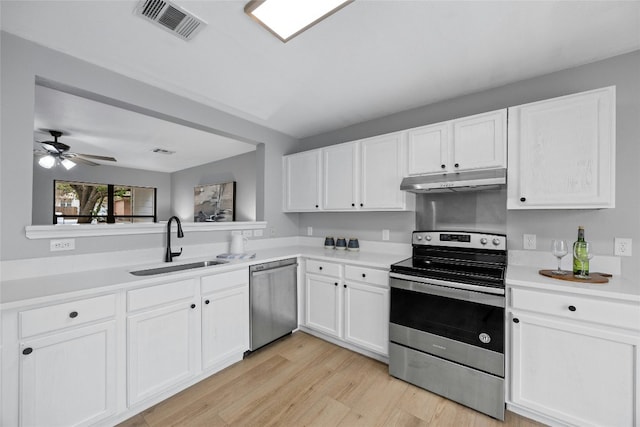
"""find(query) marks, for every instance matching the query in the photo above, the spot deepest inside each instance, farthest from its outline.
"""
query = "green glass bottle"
(580, 267)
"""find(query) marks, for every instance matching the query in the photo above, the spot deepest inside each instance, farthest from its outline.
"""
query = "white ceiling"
(92, 127)
(371, 59)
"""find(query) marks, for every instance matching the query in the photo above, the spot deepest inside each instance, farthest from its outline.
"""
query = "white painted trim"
(93, 230)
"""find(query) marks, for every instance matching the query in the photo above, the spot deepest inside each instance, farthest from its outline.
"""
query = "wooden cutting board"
(593, 277)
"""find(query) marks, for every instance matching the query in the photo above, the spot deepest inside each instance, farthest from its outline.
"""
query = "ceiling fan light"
(68, 164)
(288, 18)
(47, 161)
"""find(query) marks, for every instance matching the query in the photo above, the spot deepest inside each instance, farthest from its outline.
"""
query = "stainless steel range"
(446, 327)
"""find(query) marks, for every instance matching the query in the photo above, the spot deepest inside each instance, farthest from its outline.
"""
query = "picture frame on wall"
(215, 202)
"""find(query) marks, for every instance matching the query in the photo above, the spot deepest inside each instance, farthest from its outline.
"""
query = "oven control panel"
(461, 239)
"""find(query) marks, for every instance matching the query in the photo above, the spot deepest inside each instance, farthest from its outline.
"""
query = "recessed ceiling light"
(288, 18)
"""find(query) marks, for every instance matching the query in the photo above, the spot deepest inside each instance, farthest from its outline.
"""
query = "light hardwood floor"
(304, 381)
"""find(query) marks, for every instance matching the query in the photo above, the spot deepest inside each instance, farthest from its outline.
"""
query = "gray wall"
(22, 62)
(241, 169)
(103, 174)
(601, 225)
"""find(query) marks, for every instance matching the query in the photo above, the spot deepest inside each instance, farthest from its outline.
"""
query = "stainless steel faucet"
(169, 256)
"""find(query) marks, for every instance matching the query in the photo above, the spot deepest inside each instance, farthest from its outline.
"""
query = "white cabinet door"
(428, 149)
(324, 304)
(367, 316)
(479, 142)
(577, 374)
(382, 165)
(69, 378)
(225, 325)
(161, 348)
(301, 175)
(340, 176)
(562, 152)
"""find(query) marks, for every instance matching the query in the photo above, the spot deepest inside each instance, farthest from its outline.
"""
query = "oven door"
(459, 325)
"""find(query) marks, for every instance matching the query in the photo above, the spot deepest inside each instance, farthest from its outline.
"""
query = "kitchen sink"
(177, 267)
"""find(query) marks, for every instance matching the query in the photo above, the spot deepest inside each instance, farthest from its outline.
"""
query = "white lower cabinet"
(324, 304)
(225, 318)
(161, 349)
(59, 363)
(69, 378)
(100, 360)
(366, 312)
(573, 372)
(352, 306)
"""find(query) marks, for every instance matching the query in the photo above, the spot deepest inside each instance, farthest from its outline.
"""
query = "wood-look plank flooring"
(304, 381)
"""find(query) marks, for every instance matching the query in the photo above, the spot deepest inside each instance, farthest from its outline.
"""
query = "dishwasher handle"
(273, 270)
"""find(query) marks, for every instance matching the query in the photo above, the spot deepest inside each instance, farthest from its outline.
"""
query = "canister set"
(341, 244)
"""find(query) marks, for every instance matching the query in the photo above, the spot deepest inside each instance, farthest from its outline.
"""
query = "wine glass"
(583, 253)
(559, 249)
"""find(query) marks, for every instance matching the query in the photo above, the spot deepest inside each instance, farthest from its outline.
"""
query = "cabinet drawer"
(620, 314)
(221, 281)
(160, 294)
(324, 268)
(367, 275)
(60, 316)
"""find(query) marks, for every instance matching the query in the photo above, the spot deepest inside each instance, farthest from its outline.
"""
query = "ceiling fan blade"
(49, 147)
(59, 147)
(93, 156)
(77, 159)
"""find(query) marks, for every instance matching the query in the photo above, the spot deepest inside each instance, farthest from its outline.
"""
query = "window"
(88, 203)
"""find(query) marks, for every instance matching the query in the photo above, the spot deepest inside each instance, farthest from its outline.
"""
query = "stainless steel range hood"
(489, 179)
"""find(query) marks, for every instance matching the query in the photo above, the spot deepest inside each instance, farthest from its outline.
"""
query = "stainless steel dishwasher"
(273, 300)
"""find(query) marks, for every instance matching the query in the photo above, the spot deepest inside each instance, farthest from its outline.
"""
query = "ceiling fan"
(56, 152)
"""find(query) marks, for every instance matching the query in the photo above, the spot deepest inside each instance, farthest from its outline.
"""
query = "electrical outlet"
(62, 245)
(621, 247)
(309, 231)
(529, 241)
(236, 232)
(257, 233)
(272, 232)
(247, 233)
(385, 234)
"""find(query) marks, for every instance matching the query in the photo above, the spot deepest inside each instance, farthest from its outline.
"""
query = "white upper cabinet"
(358, 175)
(302, 184)
(562, 152)
(479, 142)
(382, 160)
(428, 149)
(340, 176)
(468, 143)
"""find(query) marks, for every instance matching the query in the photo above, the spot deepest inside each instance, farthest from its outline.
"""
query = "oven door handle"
(428, 286)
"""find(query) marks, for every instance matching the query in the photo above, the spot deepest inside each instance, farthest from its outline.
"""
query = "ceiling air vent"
(162, 151)
(170, 17)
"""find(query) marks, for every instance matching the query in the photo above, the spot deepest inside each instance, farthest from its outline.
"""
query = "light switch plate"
(385, 235)
(309, 231)
(622, 246)
(529, 241)
(257, 233)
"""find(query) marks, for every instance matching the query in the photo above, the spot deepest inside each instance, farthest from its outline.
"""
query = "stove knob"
(483, 240)
(428, 238)
(418, 237)
(496, 241)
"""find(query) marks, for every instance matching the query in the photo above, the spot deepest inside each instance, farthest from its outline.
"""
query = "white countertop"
(34, 290)
(619, 287)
